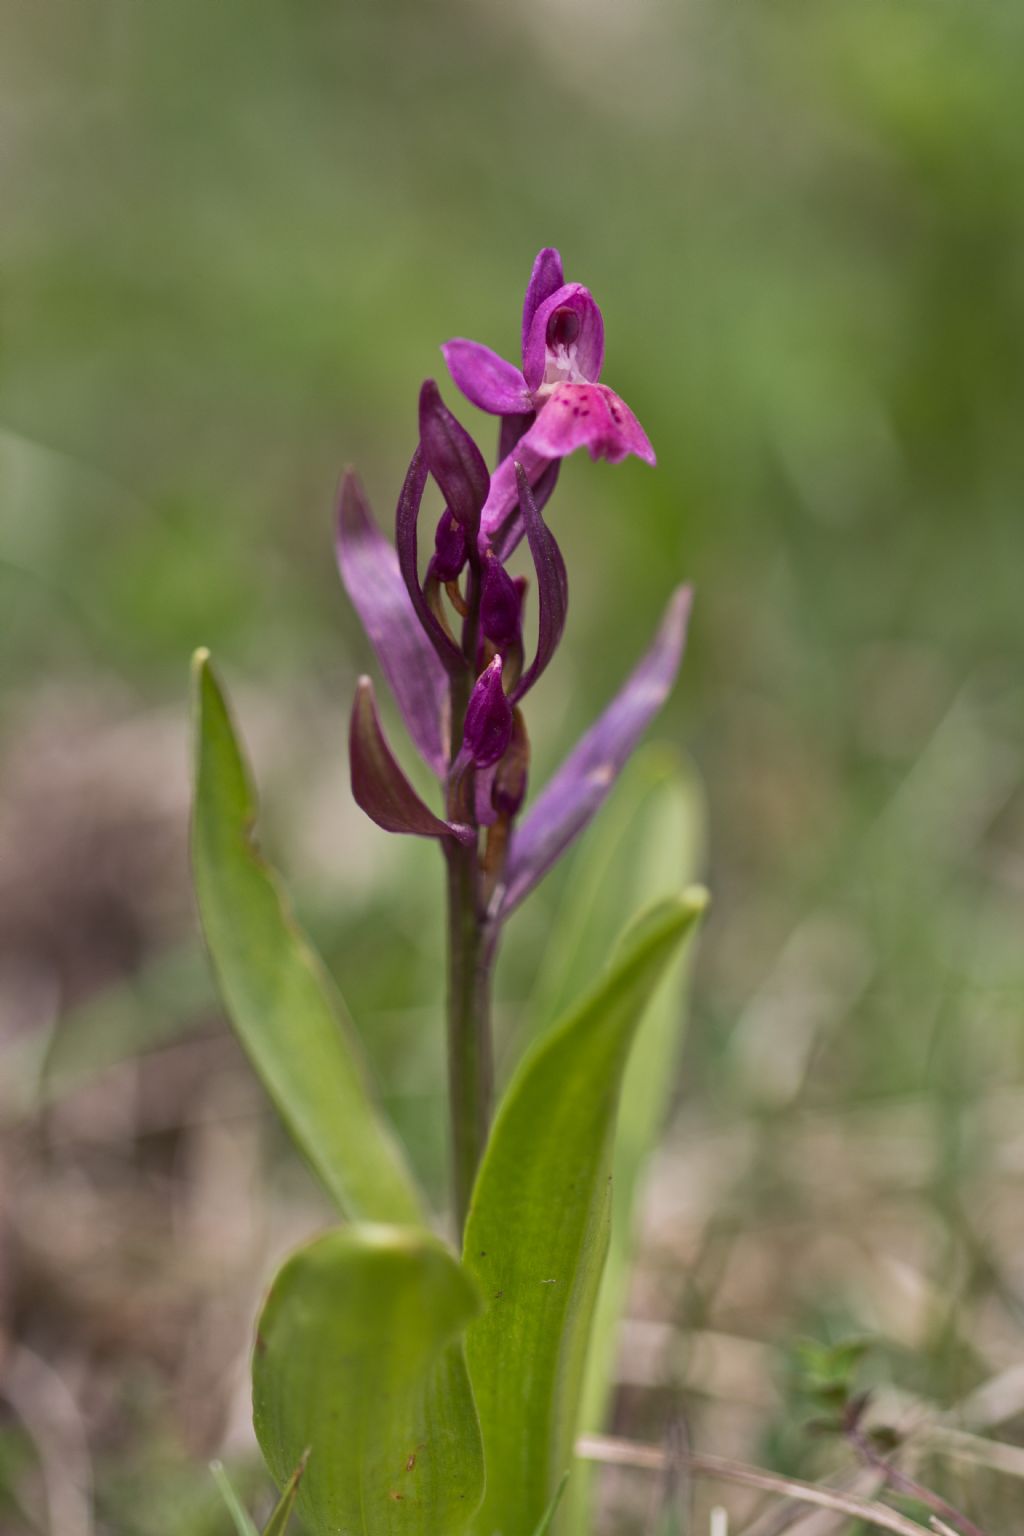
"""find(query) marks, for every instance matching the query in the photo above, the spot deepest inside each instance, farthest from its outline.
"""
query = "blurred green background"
(232, 238)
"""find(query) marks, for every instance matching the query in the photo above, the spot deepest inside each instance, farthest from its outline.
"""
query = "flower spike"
(379, 786)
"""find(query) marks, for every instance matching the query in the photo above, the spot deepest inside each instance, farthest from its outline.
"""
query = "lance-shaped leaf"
(552, 586)
(538, 1226)
(277, 993)
(407, 518)
(453, 459)
(358, 1358)
(379, 786)
(370, 571)
(647, 841)
(578, 788)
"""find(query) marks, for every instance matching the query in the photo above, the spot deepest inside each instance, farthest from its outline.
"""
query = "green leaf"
(359, 1359)
(276, 991)
(538, 1226)
(652, 844)
(278, 1522)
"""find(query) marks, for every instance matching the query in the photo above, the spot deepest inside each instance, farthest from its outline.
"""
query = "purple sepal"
(566, 339)
(370, 571)
(486, 380)
(545, 279)
(453, 459)
(406, 519)
(488, 728)
(570, 799)
(500, 605)
(552, 586)
(450, 549)
(379, 786)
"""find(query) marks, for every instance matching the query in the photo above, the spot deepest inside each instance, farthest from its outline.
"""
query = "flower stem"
(470, 954)
(470, 1056)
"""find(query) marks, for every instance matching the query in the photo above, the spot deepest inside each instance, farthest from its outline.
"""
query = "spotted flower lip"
(556, 398)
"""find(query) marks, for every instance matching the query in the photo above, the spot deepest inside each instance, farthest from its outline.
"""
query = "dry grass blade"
(628, 1453)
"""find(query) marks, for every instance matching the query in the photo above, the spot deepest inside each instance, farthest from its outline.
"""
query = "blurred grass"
(233, 237)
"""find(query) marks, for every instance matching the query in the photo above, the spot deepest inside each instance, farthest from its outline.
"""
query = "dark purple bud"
(453, 459)
(510, 776)
(379, 786)
(488, 726)
(406, 519)
(552, 586)
(500, 607)
(449, 549)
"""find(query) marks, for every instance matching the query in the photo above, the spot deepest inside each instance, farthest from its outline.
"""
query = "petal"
(369, 569)
(406, 520)
(379, 786)
(588, 344)
(486, 379)
(570, 799)
(552, 586)
(453, 459)
(590, 416)
(545, 279)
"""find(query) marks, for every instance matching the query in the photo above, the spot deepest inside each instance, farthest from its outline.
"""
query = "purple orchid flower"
(450, 641)
(554, 404)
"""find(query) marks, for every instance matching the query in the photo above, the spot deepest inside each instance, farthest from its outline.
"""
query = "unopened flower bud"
(500, 605)
(488, 727)
(449, 549)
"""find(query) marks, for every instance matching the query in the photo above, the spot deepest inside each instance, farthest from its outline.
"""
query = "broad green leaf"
(277, 993)
(359, 1360)
(653, 842)
(538, 1225)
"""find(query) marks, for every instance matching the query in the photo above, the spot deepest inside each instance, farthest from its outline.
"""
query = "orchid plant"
(438, 1388)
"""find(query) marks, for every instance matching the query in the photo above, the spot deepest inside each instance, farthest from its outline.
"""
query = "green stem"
(470, 960)
(470, 1058)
